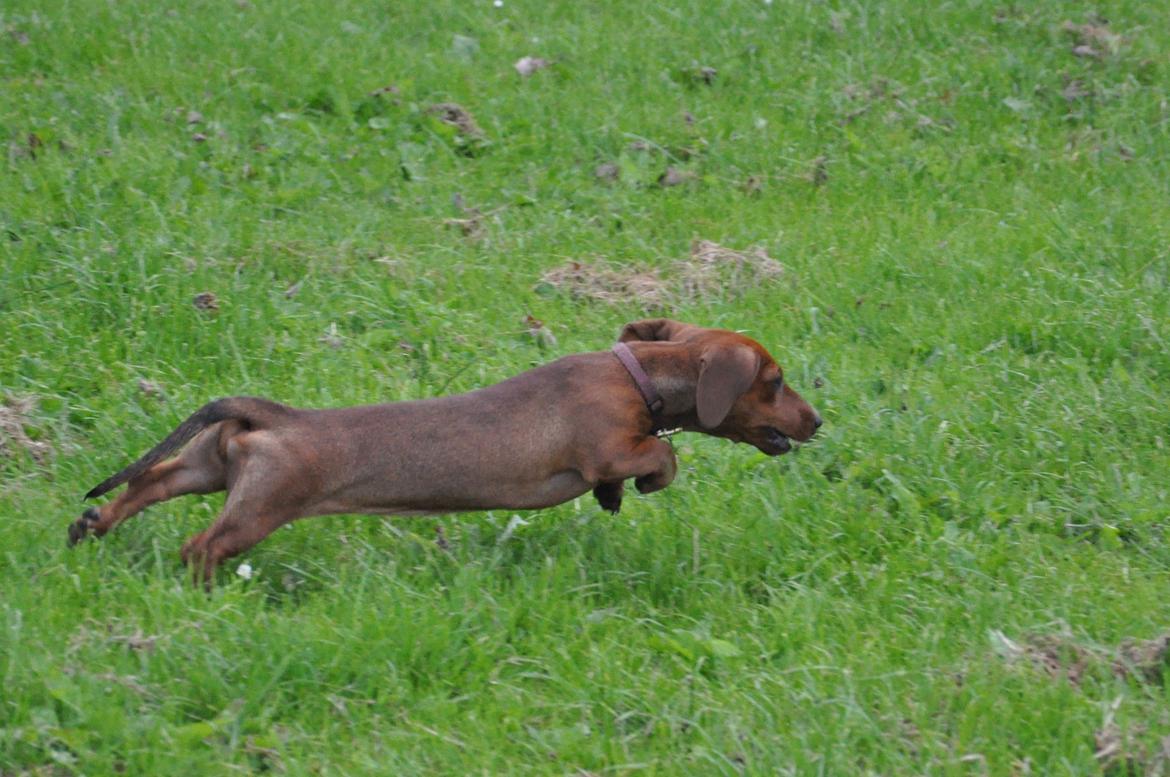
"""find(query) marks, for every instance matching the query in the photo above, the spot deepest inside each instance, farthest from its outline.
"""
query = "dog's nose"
(817, 421)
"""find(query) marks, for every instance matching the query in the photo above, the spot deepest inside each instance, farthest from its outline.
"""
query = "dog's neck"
(676, 387)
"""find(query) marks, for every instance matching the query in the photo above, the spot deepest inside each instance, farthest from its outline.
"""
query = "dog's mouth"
(774, 442)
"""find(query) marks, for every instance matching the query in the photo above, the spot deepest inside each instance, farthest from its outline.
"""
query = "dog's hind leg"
(261, 500)
(199, 469)
(235, 531)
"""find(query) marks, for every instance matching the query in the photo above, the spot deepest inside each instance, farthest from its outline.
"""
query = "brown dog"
(585, 421)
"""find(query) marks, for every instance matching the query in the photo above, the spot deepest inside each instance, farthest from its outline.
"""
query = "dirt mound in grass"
(1059, 655)
(1118, 751)
(711, 271)
(14, 416)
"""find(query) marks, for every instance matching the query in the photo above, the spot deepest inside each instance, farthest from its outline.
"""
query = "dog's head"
(740, 393)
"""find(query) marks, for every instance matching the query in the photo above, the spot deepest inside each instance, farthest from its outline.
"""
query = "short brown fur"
(539, 439)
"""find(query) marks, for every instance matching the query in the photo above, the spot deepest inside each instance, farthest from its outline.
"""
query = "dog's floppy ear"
(725, 373)
(655, 329)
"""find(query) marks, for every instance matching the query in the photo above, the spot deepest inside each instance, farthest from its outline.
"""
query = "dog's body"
(538, 439)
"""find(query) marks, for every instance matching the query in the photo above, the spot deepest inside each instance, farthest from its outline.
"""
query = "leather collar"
(646, 386)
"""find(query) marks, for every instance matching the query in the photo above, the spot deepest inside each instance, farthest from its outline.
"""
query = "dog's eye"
(778, 384)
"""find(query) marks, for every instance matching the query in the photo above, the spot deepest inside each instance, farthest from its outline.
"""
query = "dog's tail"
(253, 411)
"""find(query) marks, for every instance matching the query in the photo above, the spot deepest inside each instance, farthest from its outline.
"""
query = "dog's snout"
(817, 422)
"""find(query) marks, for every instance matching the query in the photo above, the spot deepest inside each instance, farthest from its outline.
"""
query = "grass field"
(971, 204)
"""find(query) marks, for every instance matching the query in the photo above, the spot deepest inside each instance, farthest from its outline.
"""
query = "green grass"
(973, 222)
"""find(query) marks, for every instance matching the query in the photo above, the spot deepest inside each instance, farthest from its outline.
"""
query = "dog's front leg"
(650, 462)
(658, 453)
(609, 495)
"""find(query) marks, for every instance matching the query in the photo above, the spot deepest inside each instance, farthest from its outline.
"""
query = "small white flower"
(526, 66)
(761, 122)
(244, 570)
(767, 2)
(498, 3)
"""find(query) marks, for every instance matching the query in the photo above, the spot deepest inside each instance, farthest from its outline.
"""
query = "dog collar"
(645, 385)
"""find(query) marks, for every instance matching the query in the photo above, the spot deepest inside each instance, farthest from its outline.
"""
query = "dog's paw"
(609, 496)
(79, 529)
